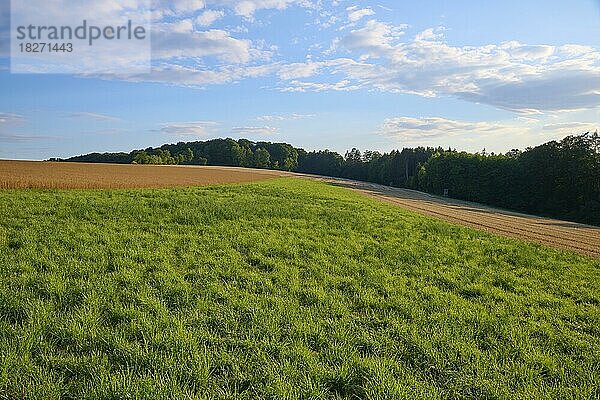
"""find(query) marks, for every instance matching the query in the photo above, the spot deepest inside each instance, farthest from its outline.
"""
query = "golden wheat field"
(57, 175)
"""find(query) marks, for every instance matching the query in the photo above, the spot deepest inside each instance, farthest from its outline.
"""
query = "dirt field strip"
(581, 238)
(62, 175)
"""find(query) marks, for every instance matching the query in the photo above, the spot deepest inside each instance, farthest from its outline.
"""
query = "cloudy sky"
(321, 74)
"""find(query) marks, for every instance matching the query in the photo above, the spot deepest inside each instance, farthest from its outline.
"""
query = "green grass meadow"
(282, 289)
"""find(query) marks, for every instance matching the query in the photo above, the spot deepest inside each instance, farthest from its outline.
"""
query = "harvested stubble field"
(282, 289)
(584, 239)
(54, 175)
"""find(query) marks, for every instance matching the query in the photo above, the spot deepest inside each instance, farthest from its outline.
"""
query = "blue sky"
(376, 75)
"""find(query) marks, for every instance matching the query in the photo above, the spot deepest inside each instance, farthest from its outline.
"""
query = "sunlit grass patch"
(281, 289)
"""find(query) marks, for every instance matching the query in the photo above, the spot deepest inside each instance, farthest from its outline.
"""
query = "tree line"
(559, 179)
(225, 152)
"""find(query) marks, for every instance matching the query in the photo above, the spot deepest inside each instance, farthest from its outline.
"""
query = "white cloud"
(326, 20)
(185, 26)
(94, 116)
(209, 17)
(375, 39)
(298, 70)
(189, 76)
(247, 8)
(511, 75)
(355, 13)
(410, 129)
(429, 34)
(173, 40)
(299, 86)
(10, 119)
(187, 6)
(189, 129)
(568, 128)
(255, 130)
(243, 8)
(522, 52)
(19, 138)
(284, 117)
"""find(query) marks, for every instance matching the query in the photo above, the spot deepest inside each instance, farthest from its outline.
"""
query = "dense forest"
(559, 179)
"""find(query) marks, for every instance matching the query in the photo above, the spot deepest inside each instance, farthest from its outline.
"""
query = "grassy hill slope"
(281, 289)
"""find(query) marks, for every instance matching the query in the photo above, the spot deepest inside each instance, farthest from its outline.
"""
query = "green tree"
(262, 158)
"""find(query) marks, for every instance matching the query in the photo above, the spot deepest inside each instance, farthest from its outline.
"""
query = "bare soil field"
(584, 239)
(61, 175)
(581, 238)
